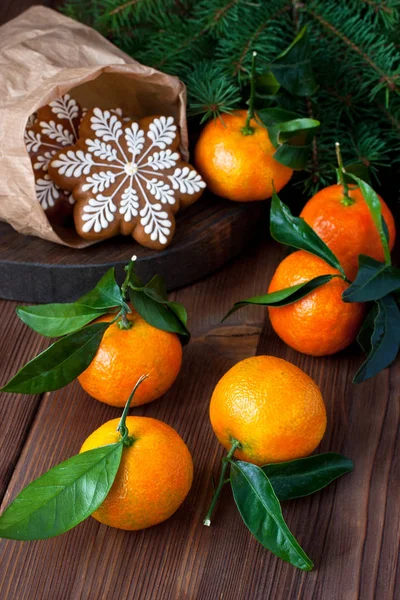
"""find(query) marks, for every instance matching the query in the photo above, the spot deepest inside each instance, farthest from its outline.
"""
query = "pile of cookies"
(114, 174)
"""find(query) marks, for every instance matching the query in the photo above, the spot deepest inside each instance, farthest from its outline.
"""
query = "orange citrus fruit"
(271, 407)
(154, 477)
(348, 230)
(237, 166)
(124, 355)
(320, 323)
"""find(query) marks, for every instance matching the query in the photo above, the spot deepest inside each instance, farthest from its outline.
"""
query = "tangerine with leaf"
(341, 217)
(320, 323)
(234, 155)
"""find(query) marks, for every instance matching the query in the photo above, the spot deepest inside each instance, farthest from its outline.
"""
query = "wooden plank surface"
(351, 530)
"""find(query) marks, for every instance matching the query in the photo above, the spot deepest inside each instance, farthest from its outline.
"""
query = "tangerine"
(320, 323)
(271, 407)
(154, 476)
(347, 228)
(124, 354)
(236, 165)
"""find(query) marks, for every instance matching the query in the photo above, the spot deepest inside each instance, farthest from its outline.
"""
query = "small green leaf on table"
(152, 304)
(107, 294)
(374, 205)
(305, 476)
(261, 512)
(60, 363)
(293, 68)
(295, 232)
(374, 280)
(55, 320)
(285, 296)
(382, 326)
(63, 497)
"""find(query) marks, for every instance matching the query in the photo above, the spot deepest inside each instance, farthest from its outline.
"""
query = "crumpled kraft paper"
(44, 55)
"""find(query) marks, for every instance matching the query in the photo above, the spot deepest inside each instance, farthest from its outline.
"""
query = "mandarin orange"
(271, 407)
(154, 477)
(124, 355)
(320, 323)
(347, 229)
(237, 166)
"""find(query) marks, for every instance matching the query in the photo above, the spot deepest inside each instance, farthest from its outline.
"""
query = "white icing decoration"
(47, 192)
(55, 131)
(32, 140)
(43, 160)
(65, 107)
(144, 190)
(186, 181)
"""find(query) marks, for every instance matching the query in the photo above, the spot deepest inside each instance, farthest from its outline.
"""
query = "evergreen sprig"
(354, 54)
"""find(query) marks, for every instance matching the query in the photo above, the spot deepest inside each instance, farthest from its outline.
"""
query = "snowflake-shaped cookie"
(127, 177)
(53, 127)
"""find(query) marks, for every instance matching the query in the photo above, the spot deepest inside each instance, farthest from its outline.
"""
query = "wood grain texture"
(208, 235)
(350, 530)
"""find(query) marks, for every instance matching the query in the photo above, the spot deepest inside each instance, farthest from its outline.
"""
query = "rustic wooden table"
(351, 529)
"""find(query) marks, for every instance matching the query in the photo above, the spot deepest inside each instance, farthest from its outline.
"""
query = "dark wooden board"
(351, 530)
(208, 234)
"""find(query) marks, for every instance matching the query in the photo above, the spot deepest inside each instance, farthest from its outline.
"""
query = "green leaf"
(60, 364)
(374, 205)
(367, 328)
(285, 296)
(302, 477)
(106, 294)
(267, 85)
(295, 157)
(293, 68)
(151, 303)
(374, 280)
(63, 497)
(289, 129)
(295, 232)
(358, 169)
(55, 320)
(384, 342)
(261, 512)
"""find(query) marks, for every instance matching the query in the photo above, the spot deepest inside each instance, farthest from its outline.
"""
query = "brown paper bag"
(44, 55)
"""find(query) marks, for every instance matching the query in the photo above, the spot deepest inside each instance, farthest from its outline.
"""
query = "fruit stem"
(247, 129)
(130, 268)
(222, 481)
(122, 428)
(347, 201)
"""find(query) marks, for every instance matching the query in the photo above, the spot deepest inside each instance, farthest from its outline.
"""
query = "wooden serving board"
(208, 234)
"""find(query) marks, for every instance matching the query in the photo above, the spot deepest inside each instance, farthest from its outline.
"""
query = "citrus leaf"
(60, 363)
(267, 85)
(106, 294)
(55, 320)
(285, 296)
(384, 342)
(158, 314)
(367, 328)
(305, 476)
(151, 303)
(293, 68)
(261, 512)
(295, 232)
(295, 157)
(374, 280)
(374, 205)
(63, 497)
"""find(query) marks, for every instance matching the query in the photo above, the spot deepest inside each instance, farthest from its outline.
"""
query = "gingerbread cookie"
(126, 177)
(52, 127)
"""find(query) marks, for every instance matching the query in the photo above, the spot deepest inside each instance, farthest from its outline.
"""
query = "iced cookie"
(126, 177)
(52, 127)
